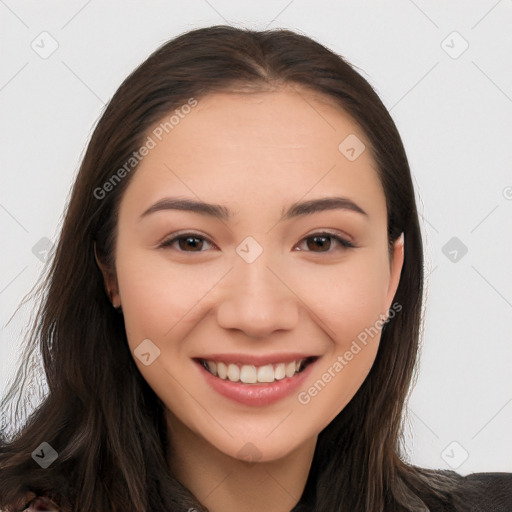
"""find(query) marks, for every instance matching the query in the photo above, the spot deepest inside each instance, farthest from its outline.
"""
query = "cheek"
(156, 295)
(346, 298)
(350, 310)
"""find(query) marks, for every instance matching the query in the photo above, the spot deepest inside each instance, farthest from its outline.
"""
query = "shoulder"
(447, 491)
(484, 492)
(477, 492)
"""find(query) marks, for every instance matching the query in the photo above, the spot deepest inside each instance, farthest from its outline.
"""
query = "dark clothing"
(485, 492)
(478, 492)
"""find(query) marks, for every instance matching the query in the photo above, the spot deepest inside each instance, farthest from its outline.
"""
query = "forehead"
(286, 121)
(280, 146)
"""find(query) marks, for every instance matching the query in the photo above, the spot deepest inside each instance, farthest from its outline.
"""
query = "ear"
(109, 279)
(396, 269)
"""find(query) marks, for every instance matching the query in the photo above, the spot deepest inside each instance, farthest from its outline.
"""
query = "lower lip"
(257, 394)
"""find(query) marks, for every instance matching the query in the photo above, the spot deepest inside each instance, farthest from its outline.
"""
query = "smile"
(251, 374)
(257, 393)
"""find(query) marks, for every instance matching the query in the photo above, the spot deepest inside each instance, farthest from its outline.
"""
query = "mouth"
(253, 375)
(257, 386)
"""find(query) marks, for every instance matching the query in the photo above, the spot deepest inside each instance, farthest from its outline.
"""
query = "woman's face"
(258, 283)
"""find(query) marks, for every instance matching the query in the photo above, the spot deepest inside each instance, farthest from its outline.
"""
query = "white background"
(452, 108)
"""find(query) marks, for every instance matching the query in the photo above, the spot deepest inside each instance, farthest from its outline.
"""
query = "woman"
(233, 309)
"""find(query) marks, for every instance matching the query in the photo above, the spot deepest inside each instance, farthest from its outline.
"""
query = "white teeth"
(280, 371)
(233, 373)
(290, 369)
(212, 366)
(265, 373)
(250, 374)
(222, 370)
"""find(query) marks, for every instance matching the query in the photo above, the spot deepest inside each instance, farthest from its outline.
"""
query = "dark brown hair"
(97, 403)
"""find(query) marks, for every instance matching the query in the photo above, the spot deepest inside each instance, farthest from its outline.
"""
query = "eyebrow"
(220, 212)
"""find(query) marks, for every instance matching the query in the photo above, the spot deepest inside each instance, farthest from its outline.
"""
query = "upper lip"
(257, 360)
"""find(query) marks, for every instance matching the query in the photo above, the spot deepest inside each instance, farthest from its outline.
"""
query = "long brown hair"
(97, 403)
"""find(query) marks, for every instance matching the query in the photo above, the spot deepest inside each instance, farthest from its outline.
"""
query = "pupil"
(318, 240)
(189, 240)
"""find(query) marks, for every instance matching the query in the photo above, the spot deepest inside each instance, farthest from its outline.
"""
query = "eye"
(323, 241)
(186, 241)
(196, 242)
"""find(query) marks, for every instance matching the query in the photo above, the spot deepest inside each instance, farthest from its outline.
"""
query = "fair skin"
(255, 154)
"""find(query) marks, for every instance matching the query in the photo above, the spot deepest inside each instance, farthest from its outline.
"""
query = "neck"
(225, 484)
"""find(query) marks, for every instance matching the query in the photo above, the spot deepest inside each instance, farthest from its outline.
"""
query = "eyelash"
(343, 242)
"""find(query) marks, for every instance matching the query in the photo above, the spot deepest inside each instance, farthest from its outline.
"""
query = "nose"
(257, 299)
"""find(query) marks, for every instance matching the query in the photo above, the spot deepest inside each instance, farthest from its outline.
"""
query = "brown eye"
(188, 242)
(317, 243)
(192, 242)
(323, 242)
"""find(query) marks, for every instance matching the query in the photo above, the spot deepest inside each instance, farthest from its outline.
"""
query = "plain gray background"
(444, 72)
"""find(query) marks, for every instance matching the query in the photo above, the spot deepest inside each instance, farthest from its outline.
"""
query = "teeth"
(279, 371)
(233, 373)
(250, 374)
(265, 374)
(212, 367)
(290, 369)
(222, 370)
